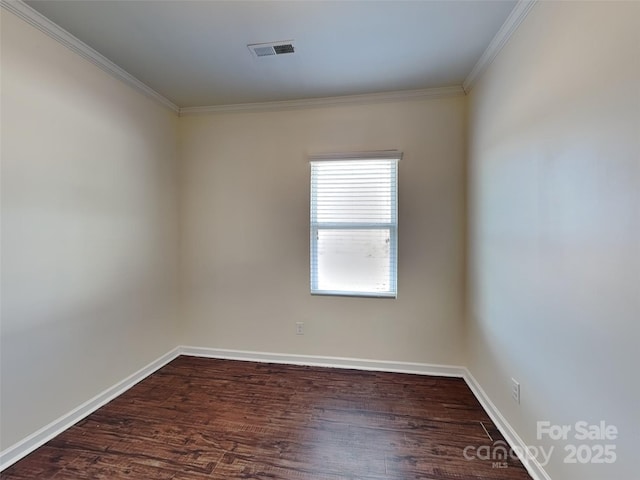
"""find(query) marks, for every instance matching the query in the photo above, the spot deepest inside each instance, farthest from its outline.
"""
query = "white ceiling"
(195, 52)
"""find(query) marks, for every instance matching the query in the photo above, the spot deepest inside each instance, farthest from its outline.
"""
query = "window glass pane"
(354, 260)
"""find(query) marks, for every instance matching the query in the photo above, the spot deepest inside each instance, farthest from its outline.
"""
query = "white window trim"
(392, 227)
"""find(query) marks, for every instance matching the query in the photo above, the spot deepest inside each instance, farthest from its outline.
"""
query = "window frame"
(392, 226)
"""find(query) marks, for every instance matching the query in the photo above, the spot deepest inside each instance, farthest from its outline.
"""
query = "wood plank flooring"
(200, 418)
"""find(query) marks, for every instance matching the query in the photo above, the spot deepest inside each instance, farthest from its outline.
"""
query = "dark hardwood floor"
(200, 418)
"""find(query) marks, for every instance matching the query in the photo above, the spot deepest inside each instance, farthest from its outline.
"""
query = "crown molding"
(42, 23)
(439, 92)
(501, 38)
(36, 19)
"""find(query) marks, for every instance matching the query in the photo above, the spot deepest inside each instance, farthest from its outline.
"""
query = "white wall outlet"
(299, 328)
(515, 390)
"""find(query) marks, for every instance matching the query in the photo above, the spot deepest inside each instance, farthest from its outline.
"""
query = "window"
(354, 224)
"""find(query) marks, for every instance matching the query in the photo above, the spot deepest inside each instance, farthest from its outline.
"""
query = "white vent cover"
(273, 48)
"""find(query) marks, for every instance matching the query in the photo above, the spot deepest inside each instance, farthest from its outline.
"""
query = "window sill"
(339, 293)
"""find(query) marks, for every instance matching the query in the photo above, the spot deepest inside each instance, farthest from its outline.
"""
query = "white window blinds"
(354, 224)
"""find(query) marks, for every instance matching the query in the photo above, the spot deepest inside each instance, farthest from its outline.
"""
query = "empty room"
(320, 240)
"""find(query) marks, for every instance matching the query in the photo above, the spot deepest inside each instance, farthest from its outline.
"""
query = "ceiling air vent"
(273, 48)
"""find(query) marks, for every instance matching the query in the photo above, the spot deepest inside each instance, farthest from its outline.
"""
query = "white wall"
(555, 226)
(245, 245)
(89, 260)
(89, 229)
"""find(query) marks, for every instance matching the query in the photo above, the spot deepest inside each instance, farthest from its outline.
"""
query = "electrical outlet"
(515, 391)
(299, 328)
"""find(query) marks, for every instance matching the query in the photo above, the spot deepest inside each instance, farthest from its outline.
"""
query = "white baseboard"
(535, 469)
(21, 449)
(532, 465)
(27, 445)
(332, 362)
